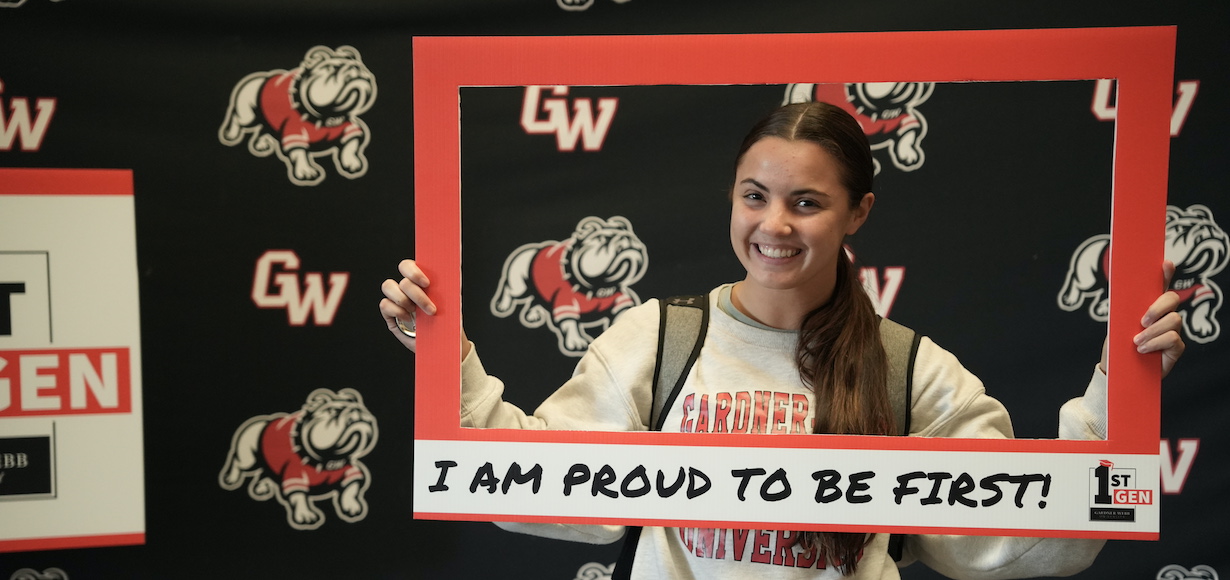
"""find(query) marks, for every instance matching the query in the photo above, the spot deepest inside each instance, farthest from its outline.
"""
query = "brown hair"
(839, 353)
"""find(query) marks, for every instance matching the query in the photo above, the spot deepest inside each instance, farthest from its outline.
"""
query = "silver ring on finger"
(407, 329)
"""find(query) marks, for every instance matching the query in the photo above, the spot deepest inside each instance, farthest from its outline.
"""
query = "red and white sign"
(71, 462)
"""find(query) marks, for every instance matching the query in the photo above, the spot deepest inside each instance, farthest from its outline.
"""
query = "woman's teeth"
(777, 252)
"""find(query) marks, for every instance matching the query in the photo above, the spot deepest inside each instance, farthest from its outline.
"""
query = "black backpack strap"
(627, 552)
(681, 334)
(682, 327)
(901, 346)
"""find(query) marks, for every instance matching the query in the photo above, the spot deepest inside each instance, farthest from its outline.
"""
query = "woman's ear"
(861, 212)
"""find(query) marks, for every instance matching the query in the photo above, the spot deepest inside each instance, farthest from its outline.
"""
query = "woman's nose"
(776, 220)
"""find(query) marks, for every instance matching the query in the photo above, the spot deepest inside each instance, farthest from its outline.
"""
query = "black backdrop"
(145, 86)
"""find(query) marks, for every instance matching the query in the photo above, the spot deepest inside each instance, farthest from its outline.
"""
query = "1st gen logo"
(1115, 492)
(300, 298)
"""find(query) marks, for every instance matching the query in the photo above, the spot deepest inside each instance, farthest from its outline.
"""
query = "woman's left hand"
(1161, 327)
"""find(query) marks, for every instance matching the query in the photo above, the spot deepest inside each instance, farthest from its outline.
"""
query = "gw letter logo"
(299, 299)
(17, 127)
(882, 297)
(311, 111)
(1104, 110)
(582, 125)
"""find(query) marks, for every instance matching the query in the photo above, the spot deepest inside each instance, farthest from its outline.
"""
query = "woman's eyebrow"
(754, 182)
(795, 193)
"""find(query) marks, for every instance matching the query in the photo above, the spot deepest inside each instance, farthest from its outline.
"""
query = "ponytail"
(840, 356)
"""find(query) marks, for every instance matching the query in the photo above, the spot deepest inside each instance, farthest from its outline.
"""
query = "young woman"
(799, 323)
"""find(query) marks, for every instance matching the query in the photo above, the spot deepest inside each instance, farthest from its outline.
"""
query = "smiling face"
(789, 214)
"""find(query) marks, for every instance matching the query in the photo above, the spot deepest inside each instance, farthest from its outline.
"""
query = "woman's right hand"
(406, 299)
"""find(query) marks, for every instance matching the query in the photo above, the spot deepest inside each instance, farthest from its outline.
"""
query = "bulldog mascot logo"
(311, 111)
(887, 112)
(595, 571)
(307, 456)
(17, 3)
(1177, 572)
(574, 5)
(1197, 246)
(32, 574)
(580, 283)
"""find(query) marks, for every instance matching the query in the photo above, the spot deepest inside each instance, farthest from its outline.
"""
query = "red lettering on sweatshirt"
(743, 412)
(702, 423)
(761, 551)
(783, 553)
(722, 404)
(746, 412)
(704, 542)
(781, 404)
(740, 542)
(769, 547)
(762, 411)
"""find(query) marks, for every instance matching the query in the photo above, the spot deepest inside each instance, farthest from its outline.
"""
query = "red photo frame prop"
(1140, 59)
